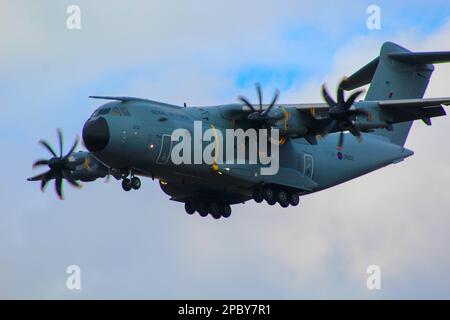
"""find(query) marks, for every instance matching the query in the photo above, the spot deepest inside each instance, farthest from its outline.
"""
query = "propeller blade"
(58, 187)
(75, 144)
(274, 100)
(47, 146)
(49, 175)
(354, 131)
(260, 97)
(41, 162)
(328, 128)
(326, 96)
(247, 103)
(73, 182)
(70, 180)
(340, 96)
(341, 140)
(353, 98)
(340, 89)
(60, 141)
(38, 177)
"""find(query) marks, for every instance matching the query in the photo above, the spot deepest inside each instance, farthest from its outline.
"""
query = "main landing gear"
(133, 183)
(204, 207)
(273, 195)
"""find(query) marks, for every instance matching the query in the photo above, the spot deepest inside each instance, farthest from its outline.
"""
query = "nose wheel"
(126, 184)
(133, 183)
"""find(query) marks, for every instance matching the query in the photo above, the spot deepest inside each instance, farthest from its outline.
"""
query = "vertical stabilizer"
(399, 77)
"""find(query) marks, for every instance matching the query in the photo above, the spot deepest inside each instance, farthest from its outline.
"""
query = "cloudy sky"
(140, 244)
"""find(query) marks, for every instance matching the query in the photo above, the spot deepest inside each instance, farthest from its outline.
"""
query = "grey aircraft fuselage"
(141, 142)
(130, 137)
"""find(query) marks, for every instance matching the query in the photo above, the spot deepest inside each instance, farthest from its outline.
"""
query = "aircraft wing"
(298, 106)
(401, 110)
(413, 103)
(238, 110)
(388, 104)
(307, 106)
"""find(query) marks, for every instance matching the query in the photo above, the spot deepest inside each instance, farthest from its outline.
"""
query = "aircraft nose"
(96, 134)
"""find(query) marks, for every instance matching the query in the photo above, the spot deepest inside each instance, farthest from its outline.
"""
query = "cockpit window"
(104, 111)
(125, 111)
(115, 112)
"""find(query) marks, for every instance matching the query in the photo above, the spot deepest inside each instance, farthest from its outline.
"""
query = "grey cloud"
(140, 245)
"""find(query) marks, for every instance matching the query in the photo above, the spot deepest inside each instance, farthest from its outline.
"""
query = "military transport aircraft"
(320, 144)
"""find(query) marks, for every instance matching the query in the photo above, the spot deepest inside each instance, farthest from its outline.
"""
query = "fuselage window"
(115, 111)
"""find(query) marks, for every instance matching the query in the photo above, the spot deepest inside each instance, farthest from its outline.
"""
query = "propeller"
(262, 115)
(58, 165)
(341, 114)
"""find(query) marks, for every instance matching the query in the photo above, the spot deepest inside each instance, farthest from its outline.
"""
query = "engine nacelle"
(292, 124)
(85, 167)
(376, 118)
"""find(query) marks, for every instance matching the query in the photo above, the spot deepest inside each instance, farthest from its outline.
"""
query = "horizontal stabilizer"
(365, 75)
(361, 77)
(421, 57)
(404, 110)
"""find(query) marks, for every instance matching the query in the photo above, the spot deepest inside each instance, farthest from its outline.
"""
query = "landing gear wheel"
(135, 183)
(294, 199)
(214, 210)
(258, 195)
(284, 204)
(202, 209)
(189, 207)
(126, 184)
(282, 199)
(226, 211)
(269, 196)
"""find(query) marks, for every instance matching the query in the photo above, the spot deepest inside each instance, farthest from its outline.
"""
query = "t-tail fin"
(397, 74)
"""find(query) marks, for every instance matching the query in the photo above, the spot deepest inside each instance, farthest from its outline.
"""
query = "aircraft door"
(308, 165)
(166, 148)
